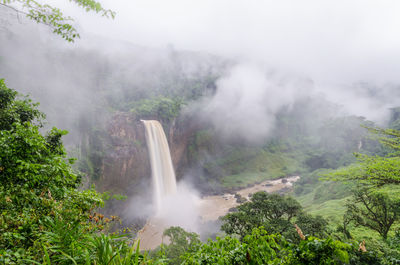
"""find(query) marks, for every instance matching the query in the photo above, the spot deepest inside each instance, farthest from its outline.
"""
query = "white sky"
(335, 43)
(346, 40)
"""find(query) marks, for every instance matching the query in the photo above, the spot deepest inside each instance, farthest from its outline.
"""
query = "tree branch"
(16, 11)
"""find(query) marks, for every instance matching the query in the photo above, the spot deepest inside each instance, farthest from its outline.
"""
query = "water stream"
(162, 170)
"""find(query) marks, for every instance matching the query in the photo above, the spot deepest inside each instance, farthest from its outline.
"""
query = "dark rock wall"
(125, 162)
(126, 167)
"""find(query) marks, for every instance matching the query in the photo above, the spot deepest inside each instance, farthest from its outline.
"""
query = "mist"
(335, 41)
(264, 57)
(248, 62)
(347, 51)
(278, 53)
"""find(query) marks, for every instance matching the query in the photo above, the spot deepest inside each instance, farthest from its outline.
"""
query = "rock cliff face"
(125, 162)
(126, 168)
(180, 135)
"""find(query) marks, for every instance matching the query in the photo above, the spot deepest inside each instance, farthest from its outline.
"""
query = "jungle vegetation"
(47, 219)
(344, 210)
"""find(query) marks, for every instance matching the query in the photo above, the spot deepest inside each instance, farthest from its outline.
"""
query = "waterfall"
(162, 170)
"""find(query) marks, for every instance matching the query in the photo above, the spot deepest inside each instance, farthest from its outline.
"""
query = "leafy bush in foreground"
(261, 248)
(44, 216)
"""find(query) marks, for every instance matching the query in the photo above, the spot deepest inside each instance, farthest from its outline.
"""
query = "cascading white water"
(162, 170)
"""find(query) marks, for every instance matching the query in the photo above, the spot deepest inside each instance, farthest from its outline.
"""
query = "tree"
(376, 202)
(163, 108)
(38, 187)
(180, 243)
(371, 170)
(52, 16)
(375, 170)
(374, 209)
(276, 213)
(312, 225)
(387, 137)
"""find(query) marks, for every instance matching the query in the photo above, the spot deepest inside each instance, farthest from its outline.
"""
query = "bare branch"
(17, 11)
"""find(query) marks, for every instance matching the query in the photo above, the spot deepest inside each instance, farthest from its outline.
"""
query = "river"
(209, 208)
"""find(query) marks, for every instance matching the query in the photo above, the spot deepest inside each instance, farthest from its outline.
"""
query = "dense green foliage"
(180, 242)
(46, 219)
(162, 108)
(44, 216)
(276, 213)
(260, 247)
(373, 204)
(376, 209)
(374, 170)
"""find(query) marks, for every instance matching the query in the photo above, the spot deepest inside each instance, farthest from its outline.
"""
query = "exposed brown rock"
(126, 163)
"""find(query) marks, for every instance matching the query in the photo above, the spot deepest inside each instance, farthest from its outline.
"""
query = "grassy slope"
(331, 209)
(264, 165)
(328, 199)
(323, 198)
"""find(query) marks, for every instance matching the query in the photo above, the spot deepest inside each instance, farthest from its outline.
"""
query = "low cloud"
(248, 98)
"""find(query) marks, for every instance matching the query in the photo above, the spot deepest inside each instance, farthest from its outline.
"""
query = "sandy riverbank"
(210, 208)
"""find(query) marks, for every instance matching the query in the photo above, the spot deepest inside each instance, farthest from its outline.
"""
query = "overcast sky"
(311, 47)
(331, 41)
